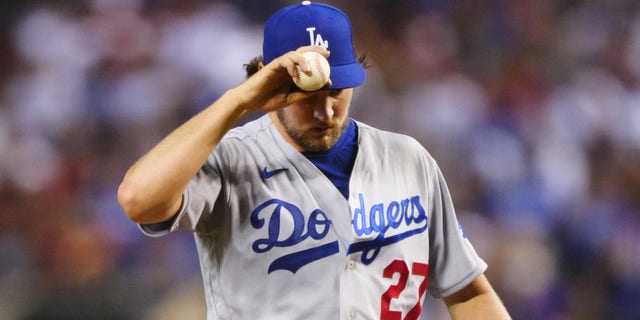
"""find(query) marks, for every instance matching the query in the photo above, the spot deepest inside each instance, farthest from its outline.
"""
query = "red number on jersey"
(400, 267)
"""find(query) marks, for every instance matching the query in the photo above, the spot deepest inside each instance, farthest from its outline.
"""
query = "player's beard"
(311, 137)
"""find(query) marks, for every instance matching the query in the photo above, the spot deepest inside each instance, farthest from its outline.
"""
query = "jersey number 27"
(393, 292)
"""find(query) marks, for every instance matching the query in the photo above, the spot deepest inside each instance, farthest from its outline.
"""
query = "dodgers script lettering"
(288, 226)
(380, 219)
(277, 212)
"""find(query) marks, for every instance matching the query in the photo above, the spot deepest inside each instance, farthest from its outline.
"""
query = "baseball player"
(306, 213)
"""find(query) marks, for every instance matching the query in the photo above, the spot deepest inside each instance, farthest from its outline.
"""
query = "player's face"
(316, 123)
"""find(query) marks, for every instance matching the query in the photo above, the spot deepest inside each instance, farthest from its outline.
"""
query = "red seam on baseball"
(319, 68)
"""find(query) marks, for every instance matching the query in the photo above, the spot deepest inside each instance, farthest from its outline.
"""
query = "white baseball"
(319, 74)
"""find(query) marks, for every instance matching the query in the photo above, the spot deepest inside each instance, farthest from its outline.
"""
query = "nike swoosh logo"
(268, 174)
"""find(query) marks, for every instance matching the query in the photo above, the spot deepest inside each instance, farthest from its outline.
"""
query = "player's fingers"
(294, 61)
(299, 59)
(324, 52)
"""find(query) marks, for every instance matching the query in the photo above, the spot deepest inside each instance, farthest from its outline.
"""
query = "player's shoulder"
(394, 141)
(248, 130)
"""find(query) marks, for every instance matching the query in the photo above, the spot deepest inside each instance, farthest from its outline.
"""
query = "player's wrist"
(236, 100)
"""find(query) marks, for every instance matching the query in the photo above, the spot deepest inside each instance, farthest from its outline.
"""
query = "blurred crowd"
(531, 108)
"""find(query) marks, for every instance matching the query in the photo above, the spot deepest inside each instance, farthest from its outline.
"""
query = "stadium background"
(531, 107)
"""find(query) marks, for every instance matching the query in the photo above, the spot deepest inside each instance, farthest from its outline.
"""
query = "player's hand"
(272, 87)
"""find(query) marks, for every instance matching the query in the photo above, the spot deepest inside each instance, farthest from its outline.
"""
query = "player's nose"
(323, 111)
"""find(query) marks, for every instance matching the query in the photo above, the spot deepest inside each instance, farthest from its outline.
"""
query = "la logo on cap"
(318, 41)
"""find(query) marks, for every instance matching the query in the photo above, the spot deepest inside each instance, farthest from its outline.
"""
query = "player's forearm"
(477, 300)
(484, 306)
(152, 188)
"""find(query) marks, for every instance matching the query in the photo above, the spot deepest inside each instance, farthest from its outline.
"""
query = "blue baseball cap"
(318, 24)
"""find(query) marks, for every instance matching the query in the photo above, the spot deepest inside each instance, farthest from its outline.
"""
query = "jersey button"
(352, 315)
(351, 264)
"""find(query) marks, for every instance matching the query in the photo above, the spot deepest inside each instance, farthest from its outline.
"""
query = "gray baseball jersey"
(277, 240)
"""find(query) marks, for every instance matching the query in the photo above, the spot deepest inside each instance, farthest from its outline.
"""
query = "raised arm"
(477, 300)
(152, 188)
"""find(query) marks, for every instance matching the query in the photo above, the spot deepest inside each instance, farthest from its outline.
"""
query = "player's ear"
(260, 65)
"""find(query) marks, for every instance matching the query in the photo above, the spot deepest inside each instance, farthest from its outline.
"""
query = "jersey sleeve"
(453, 262)
(198, 202)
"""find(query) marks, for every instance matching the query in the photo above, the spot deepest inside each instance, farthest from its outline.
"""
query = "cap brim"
(347, 76)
